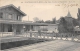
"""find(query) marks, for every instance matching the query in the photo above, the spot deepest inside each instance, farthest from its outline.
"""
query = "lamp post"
(56, 31)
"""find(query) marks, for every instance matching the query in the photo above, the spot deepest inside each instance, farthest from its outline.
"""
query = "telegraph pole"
(28, 18)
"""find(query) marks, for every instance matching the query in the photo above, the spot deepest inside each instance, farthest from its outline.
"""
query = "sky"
(45, 9)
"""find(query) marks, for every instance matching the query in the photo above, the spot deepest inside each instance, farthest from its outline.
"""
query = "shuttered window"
(18, 17)
(10, 16)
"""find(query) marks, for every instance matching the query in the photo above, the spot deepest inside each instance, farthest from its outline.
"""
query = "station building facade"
(11, 21)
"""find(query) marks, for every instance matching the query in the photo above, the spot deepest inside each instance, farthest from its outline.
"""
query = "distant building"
(69, 18)
(77, 28)
(50, 28)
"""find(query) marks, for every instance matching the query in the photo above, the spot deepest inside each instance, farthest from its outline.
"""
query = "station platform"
(56, 45)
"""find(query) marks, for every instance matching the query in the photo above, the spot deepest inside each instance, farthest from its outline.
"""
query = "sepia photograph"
(39, 25)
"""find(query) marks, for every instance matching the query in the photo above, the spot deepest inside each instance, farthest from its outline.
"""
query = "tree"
(66, 24)
(40, 21)
(75, 22)
(48, 21)
(62, 21)
(36, 19)
(78, 14)
(62, 25)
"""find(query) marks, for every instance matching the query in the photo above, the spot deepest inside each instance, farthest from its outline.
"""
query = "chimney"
(19, 7)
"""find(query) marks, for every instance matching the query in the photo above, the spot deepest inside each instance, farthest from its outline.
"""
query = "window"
(18, 17)
(1, 15)
(10, 16)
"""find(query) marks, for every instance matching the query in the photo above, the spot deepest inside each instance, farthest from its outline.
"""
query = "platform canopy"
(25, 23)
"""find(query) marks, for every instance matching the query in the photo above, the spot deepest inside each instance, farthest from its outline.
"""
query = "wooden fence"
(4, 34)
(48, 35)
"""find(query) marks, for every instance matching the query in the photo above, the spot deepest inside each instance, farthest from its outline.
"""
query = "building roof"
(68, 15)
(11, 5)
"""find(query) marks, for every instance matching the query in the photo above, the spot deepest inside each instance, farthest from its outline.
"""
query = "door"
(9, 28)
